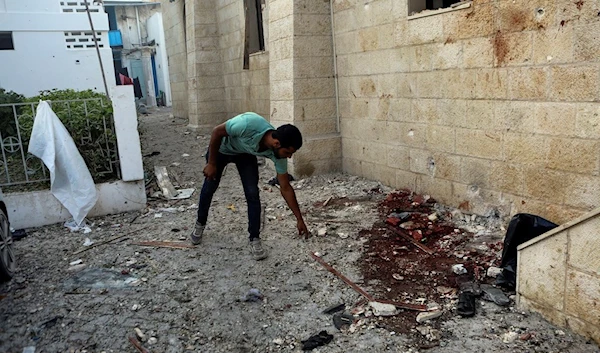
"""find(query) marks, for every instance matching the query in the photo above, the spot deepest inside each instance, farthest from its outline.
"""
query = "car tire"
(7, 255)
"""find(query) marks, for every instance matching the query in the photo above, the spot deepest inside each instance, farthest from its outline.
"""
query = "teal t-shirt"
(245, 132)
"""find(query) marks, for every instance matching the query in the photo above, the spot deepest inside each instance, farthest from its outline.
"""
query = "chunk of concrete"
(382, 309)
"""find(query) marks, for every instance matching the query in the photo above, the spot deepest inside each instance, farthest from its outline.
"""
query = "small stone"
(140, 335)
(559, 333)
(342, 235)
(135, 307)
(428, 315)
(77, 268)
(322, 231)
(493, 271)
(278, 341)
(398, 277)
(152, 340)
(185, 155)
(444, 290)
(76, 262)
(382, 309)
(424, 330)
(433, 217)
(509, 337)
(459, 269)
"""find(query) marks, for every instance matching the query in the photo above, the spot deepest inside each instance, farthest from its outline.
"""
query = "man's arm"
(287, 191)
(210, 171)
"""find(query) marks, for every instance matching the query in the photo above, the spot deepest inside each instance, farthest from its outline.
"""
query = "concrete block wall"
(559, 275)
(245, 90)
(174, 25)
(302, 82)
(493, 107)
(206, 84)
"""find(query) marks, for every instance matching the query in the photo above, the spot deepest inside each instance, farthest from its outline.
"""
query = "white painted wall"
(41, 59)
(156, 32)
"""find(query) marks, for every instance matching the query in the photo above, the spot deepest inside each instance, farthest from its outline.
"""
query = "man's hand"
(210, 171)
(302, 229)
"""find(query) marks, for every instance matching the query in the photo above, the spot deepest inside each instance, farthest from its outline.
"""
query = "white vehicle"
(7, 255)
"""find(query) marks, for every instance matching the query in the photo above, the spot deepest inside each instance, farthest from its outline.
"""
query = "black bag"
(522, 228)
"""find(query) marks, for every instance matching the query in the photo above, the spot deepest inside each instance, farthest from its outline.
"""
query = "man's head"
(287, 140)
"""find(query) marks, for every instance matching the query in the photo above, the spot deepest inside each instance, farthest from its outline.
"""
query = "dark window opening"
(254, 40)
(416, 6)
(6, 41)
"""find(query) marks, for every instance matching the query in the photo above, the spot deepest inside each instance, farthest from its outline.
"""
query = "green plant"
(87, 116)
(7, 114)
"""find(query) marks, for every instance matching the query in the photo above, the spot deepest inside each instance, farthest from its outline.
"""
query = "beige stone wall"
(302, 81)
(490, 107)
(559, 275)
(245, 90)
(174, 25)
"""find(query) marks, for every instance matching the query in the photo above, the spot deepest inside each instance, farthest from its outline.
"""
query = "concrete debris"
(493, 294)
(152, 340)
(493, 271)
(278, 341)
(381, 309)
(398, 277)
(459, 269)
(253, 295)
(429, 315)
(140, 335)
(509, 337)
(322, 232)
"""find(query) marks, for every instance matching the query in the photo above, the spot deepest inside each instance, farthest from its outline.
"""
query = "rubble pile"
(416, 253)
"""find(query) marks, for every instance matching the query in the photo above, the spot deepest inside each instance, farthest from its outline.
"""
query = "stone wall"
(302, 81)
(245, 90)
(559, 275)
(493, 107)
(174, 25)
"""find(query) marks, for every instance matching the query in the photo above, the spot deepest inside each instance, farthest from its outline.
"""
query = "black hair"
(288, 136)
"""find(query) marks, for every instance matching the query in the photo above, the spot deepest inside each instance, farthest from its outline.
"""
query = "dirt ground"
(194, 299)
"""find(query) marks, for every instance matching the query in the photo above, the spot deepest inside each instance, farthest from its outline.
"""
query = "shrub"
(88, 121)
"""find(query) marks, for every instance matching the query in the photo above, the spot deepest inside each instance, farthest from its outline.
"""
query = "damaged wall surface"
(559, 275)
(490, 107)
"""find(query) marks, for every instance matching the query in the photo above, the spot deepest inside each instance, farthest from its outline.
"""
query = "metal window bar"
(30, 174)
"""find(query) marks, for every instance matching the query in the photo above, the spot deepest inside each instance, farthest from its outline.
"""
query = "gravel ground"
(193, 299)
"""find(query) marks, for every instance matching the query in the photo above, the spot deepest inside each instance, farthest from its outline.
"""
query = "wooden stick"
(108, 241)
(164, 244)
(362, 292)
(137, 345)
(411, 239)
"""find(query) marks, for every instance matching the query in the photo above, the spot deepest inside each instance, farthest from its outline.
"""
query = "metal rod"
(361, 291)
(342, 277)
(411, 239)
(20, 143)
(87, 9)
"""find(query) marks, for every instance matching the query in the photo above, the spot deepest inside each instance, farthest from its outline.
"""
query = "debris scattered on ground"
(18, 234)
(334, 308)
(493, 294)
(320, 339)
(137, 345)
(343, 320)
(253, 295)
(164, 244)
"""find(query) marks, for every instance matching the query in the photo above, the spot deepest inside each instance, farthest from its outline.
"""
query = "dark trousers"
(247, 166)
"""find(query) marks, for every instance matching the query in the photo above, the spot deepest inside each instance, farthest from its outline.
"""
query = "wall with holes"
(490, 105)
(54, 46)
